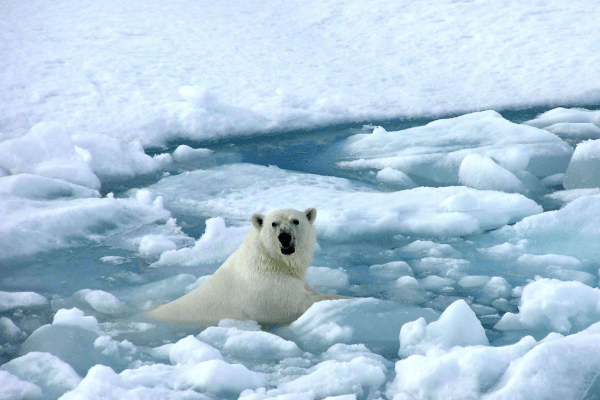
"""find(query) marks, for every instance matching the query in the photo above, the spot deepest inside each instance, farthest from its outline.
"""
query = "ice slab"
(12, 300)
(327, 279)
(584, 166)
(459, 373)
(36, 220)
(373, 322)
(52, 375)
(481, 172)
(13, 388)
(214, 246)
(457, 326)
(47, 150)
(553, 305)
(345, 209)
(563, 197)
(565, 115)
(432, 154)
(572, 231)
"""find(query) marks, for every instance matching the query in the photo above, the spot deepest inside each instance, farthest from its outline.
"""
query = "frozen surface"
(12, 300)
(254, 67)
(434, 154)
(584, 166)
(346, 210)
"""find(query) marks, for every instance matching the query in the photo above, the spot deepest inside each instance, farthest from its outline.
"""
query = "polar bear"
(263, 280)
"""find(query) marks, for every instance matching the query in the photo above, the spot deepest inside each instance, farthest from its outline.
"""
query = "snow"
(345, 209)
(554, 305)
(185, 153)
(457, 326)
(12, 300)
(434, 153)
(133, 152)
(481, 172)
(582, 170)
(52, 375)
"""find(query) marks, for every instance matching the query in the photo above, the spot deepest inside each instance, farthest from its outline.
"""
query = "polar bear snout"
(287, 243)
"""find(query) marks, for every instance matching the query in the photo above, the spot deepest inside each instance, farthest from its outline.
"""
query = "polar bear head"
(288, 234)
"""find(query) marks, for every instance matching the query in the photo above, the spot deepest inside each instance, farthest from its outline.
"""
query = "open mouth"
(288, 250)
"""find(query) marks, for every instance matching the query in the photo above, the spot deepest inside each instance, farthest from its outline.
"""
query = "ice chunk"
(47, 150)
(103, 302)
(457, 326)
(12, 388)
(191, 351)
(102, 382)
(153, 294)
(247, 344)
(395, 179)
(327, 278)
(426, 248)
(12, 300)
(575, 132)
(565, 115)
(496, 288)
(114, 159)
(584, 166)
(185, 153)
(36, 187)
(572, 230)
(557, 368)
(361, 376)
(563, 197)
(165, 160)
(432, 154)
(505, 250)
(219, 378)
(407, 283)
(214, 246)
(553, 305)
(473, 281)
(550, 259)
(155, 245)
(391, 270)
(460, 373)
(75, 317)
(9, 332)
(453, 268)
(345, 209)
(436, 283)
(68, 222)
(115, 260)
(553, 180)
(52, 375)
(373, 322)
(481, 172)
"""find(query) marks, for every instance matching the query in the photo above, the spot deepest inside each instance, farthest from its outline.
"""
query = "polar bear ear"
(311, 214)
(257, 220)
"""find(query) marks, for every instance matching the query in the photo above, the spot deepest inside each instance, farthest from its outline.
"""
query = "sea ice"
(457, 326)
(432, 154)
(185, 153)
(395, 179)
(345, 210)
(565, 115)
(481, 172)
(553, 305)
(52, 375)
(570, 231)
(155, 245)
(12, 300)
(191, 351)
(327, 278)
(13, 388)
(584, 166)
(391, 270)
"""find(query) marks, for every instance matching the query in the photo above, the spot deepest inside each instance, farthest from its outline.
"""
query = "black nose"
(285, 239)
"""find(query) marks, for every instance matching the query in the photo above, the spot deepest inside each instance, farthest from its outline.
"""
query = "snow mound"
(584, 166)
(52, 375)
(481, 172)
(345, 209)
(432, 154)
(12, 300)
(457, 326)
(554, 305)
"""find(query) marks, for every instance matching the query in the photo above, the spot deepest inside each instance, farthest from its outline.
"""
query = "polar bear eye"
(295, 222)
(274, 224)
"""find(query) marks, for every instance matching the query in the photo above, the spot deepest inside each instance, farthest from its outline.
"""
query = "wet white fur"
(257, 282)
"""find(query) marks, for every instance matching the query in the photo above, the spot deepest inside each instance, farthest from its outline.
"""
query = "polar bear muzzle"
(286, 243)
